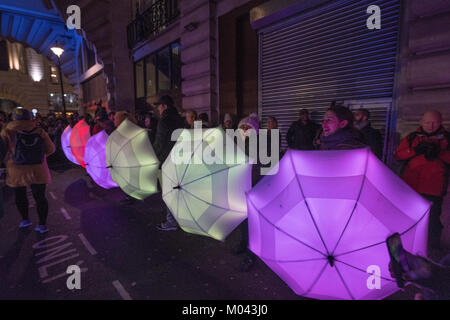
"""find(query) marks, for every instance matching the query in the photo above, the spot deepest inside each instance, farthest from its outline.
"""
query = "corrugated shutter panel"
(325, 55)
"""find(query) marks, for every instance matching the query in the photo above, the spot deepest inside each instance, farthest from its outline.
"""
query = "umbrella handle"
(331, 260)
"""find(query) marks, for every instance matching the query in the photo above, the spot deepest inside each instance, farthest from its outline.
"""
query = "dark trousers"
(434, 225)
(38, 191)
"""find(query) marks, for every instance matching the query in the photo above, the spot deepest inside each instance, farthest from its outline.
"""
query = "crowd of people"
(425, 153)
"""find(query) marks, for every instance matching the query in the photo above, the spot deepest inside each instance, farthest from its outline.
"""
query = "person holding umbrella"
(169, 121)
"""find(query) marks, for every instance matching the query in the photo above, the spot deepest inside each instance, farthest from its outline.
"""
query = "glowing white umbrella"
(206, 199)
(132, 161)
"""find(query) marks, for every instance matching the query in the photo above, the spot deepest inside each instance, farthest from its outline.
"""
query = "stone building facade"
(209, 75)
(28, 82)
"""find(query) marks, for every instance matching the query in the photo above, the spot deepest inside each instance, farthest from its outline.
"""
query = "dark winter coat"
(373, 139)
(300, 136)
(424, 172)
(343, 139)
(170, 121)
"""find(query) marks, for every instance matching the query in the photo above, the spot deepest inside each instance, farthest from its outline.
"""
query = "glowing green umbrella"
(132, 161)
(206, 190)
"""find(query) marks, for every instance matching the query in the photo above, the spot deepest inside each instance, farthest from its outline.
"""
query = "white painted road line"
(52, 195)
(123, 293)
(65, 213)
(86, 243)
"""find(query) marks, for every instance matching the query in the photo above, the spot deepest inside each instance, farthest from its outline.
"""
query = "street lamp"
(58, 51)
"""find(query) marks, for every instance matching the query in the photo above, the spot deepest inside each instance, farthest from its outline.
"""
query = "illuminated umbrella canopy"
(78, 139)
(132, 161)
(95, 160)
(65, 145)
(206, 195)
(322, 221)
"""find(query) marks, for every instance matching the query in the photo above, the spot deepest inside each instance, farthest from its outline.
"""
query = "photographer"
(427, 156)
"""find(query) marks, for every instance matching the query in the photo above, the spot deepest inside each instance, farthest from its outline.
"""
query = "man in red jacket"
(427, 151)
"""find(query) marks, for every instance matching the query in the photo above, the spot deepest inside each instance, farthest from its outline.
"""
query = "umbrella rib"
(345, 284)
(356, 202)
(128, 183)
(190, 213)
(211, 204)
(282, 231)
(363, 271)
(307, 205)
(162, 171)
(210, 174)
(291, 261)
(139, 166)
(193, 152)
(317, 279)
(95, 156)
(382, 242)
(123, 146)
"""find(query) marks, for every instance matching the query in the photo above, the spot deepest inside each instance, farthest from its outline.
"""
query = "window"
(4, 57)
(140, 80)
(16, 57)
(80, 63)
(91, 61)
(160, 71)
(176, 65)
(164, 69)
(54, 75)
(55, 101)
(150, 63)
(94, 88)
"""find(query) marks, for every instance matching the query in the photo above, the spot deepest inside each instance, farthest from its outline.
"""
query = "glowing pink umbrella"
(78, 139)
(95, 160)
(323, 219)
(65, 145)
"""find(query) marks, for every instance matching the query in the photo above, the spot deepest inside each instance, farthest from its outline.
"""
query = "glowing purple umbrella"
(65, 145)
(322, 222)
(95, 159)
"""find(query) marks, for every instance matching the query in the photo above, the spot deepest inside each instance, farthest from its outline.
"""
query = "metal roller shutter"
(329, 54)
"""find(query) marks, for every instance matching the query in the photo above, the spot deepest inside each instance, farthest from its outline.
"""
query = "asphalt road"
(120, 252)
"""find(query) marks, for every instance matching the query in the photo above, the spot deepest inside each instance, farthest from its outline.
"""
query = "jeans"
(38, 191)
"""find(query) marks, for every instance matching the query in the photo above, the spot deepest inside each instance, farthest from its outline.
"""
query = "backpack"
(30, 148)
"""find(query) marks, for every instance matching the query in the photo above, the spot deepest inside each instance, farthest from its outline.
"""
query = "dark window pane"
(90, 58)
(4, 57)
(164, 69)
(80, 63)
(176, 65)
(151, 75)
(54, 75)
(140, 82)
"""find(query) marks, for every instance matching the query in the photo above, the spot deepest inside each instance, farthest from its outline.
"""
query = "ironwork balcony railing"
(153, 20)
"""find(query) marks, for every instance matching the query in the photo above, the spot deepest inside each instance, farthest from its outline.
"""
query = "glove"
(421, 148)
(432, 151)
